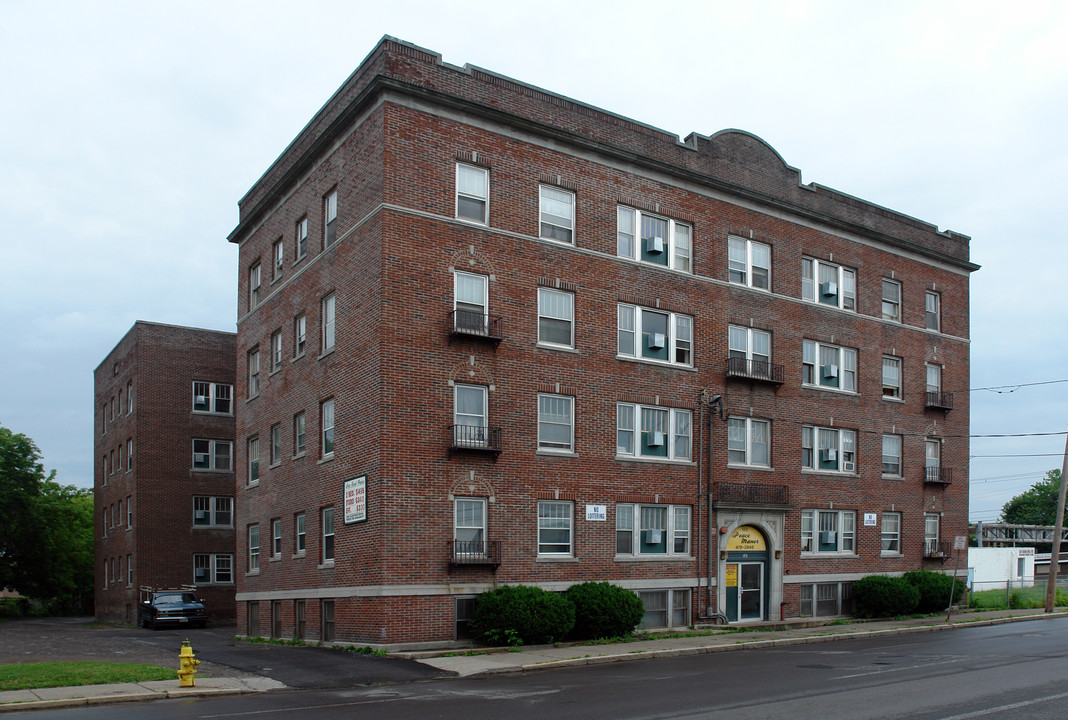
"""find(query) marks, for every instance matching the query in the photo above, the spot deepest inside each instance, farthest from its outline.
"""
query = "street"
(999, 672)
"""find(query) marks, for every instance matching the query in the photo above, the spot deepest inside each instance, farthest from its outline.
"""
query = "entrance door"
(744, 578)
(751, 591)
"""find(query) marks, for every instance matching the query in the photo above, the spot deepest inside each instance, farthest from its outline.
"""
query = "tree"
(1037, 506)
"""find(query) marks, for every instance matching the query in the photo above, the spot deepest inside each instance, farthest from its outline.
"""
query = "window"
(556, 318)
(301, 238)
(891, 300)
(276, 539)
(326, 423)
(826, 599)
(212, 454)
(300, 335)
(828, 449)
(298, 434)
(328, 535)
(253, 286)
(279, 258)
(933, 311)
(828, 284)
(253, 372)
(329, 218)
(276, 443)
(652, 529)
(556, 423)
(208, 510)
(554, 528)
(828, 531)
(212, 397)
(665, 608)
(120, 402)
(748, 442)
(472, 193)
(300, 619)
(751, 347)
(129, 397)
(129, 455)
(469, 526)
(111, 463)
(471, 303)
(662, 432)
(891, 534)
(253, 460)
(326, 611)
(932, 459)
(892, 455)
(652, 239)
(930, 534)
(299, 535)
(829, 366)
(749, 263)
(254, 548)
(104, 419)
(209, 568)
(470, 415)
(328, 317)
(276, 351)
(891, 377)
(104, 522)
(119, 467)
(129, 571)
(934, 380)
(557, 214)
(129, 512)
(655, 335)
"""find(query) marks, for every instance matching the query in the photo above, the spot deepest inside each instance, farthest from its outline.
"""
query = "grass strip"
(28, 676)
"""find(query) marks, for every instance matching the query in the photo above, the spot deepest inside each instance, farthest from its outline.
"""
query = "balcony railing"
(475, 552)
(935, 550)
(755, 370)
(751, 493)
(939, 400)
(475, 325)
(475, 438)
(938, 475)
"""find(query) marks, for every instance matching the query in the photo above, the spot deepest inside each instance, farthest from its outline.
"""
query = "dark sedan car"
(171, 607)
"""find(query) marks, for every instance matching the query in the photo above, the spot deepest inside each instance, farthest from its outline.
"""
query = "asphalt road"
(1000, 672)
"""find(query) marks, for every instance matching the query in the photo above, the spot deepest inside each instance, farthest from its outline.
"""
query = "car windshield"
(175, 598)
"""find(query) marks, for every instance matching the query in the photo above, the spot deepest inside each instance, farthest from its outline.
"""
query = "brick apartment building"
(488, 334)
(164, 477)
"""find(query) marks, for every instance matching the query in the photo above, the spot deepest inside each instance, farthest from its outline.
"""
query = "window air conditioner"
(200, 458)
(654, 245)
(830, 371)
(829, 288)
(202, 399)
(657, 341)
(827, 537)
(656, 439)
(201, 514)
(828, 455)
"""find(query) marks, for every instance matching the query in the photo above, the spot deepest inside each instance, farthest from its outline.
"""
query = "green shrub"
(520, 614)
(603, 610)
(881, 596)
(934, 589)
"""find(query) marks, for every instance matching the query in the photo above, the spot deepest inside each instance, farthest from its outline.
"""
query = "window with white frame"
(254, 548)
(300, 240)
(472, 193)
(276, 443)
(300, 335)
(556, 318)
(213, 511)
(665, 608)
(655, 335)
(652, 529)
(299, 533)
(129, 455)
(653, 239)
(129, 570)
(828, 284)
(749, 263)
(298, 435)
(129, 397)
(253, 372)
(469, 525)
(329, 218)
(828, 449)
(327, 318)
(213, 568)
(279, 258)
(931, 522)
(276, 538)
(276, 351)
(828, 531)
(748, 442)
(826, 599)
(556, 423)
(554, 527)
(934, 379)
(209, 397)
(254, 282)
(645, 431)
(470, 415)
(829, 366)
(328, 535)
(891, 533)
(253, 460)
(212, 454)
(471, 303)
(750, 347)
(119, 466)
(933, 459)
(557, 214)
(891, 300)
(892, 455)
(129, 512)
(892, 377)
(933, 310)
(326, 425)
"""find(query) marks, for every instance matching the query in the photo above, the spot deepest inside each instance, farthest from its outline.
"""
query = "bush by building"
(881, 596)
(604, 610)
(520, 614)
(934, 589)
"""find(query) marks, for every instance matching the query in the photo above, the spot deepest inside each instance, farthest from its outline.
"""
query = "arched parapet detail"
(471, 484)
(470, 259)
(471, 371)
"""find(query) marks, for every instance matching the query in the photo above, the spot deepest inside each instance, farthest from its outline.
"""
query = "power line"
(1018, 455)
(1001, 389)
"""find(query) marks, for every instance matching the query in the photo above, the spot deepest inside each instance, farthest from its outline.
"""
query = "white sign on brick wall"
(597, 513)
(356, 500)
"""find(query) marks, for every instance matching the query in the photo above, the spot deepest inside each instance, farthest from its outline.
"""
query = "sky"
(129, 131)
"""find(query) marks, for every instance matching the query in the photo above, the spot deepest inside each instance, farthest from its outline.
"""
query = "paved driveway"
(72, 639)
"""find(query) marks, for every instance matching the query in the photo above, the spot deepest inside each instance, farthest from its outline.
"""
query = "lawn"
(61, 674)
(1030, 597)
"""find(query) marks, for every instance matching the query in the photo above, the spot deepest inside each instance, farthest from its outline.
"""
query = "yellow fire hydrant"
(187, 666)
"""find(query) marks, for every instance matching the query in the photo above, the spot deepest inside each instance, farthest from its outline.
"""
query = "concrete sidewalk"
(543, 657)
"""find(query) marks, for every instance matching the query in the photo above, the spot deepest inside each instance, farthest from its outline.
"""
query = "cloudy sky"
(129, 130)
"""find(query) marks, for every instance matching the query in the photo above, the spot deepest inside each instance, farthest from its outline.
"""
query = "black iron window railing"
(475, 324)
(475, 552)
(940, 400)
(938, 475)
(755, 369)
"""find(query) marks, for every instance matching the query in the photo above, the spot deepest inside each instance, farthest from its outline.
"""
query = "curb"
(62, 703)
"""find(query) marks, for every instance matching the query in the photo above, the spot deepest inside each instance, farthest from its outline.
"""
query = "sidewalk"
(500, 660)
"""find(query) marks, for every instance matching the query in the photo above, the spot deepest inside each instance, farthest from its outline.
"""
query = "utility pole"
(1058, 528)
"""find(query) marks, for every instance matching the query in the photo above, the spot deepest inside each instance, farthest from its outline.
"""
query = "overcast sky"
(129, 130)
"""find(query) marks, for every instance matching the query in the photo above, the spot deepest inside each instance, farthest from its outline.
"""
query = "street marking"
(898, 669)
(1012, 706)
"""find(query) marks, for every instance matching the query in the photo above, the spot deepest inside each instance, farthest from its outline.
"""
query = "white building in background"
(993, 567)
